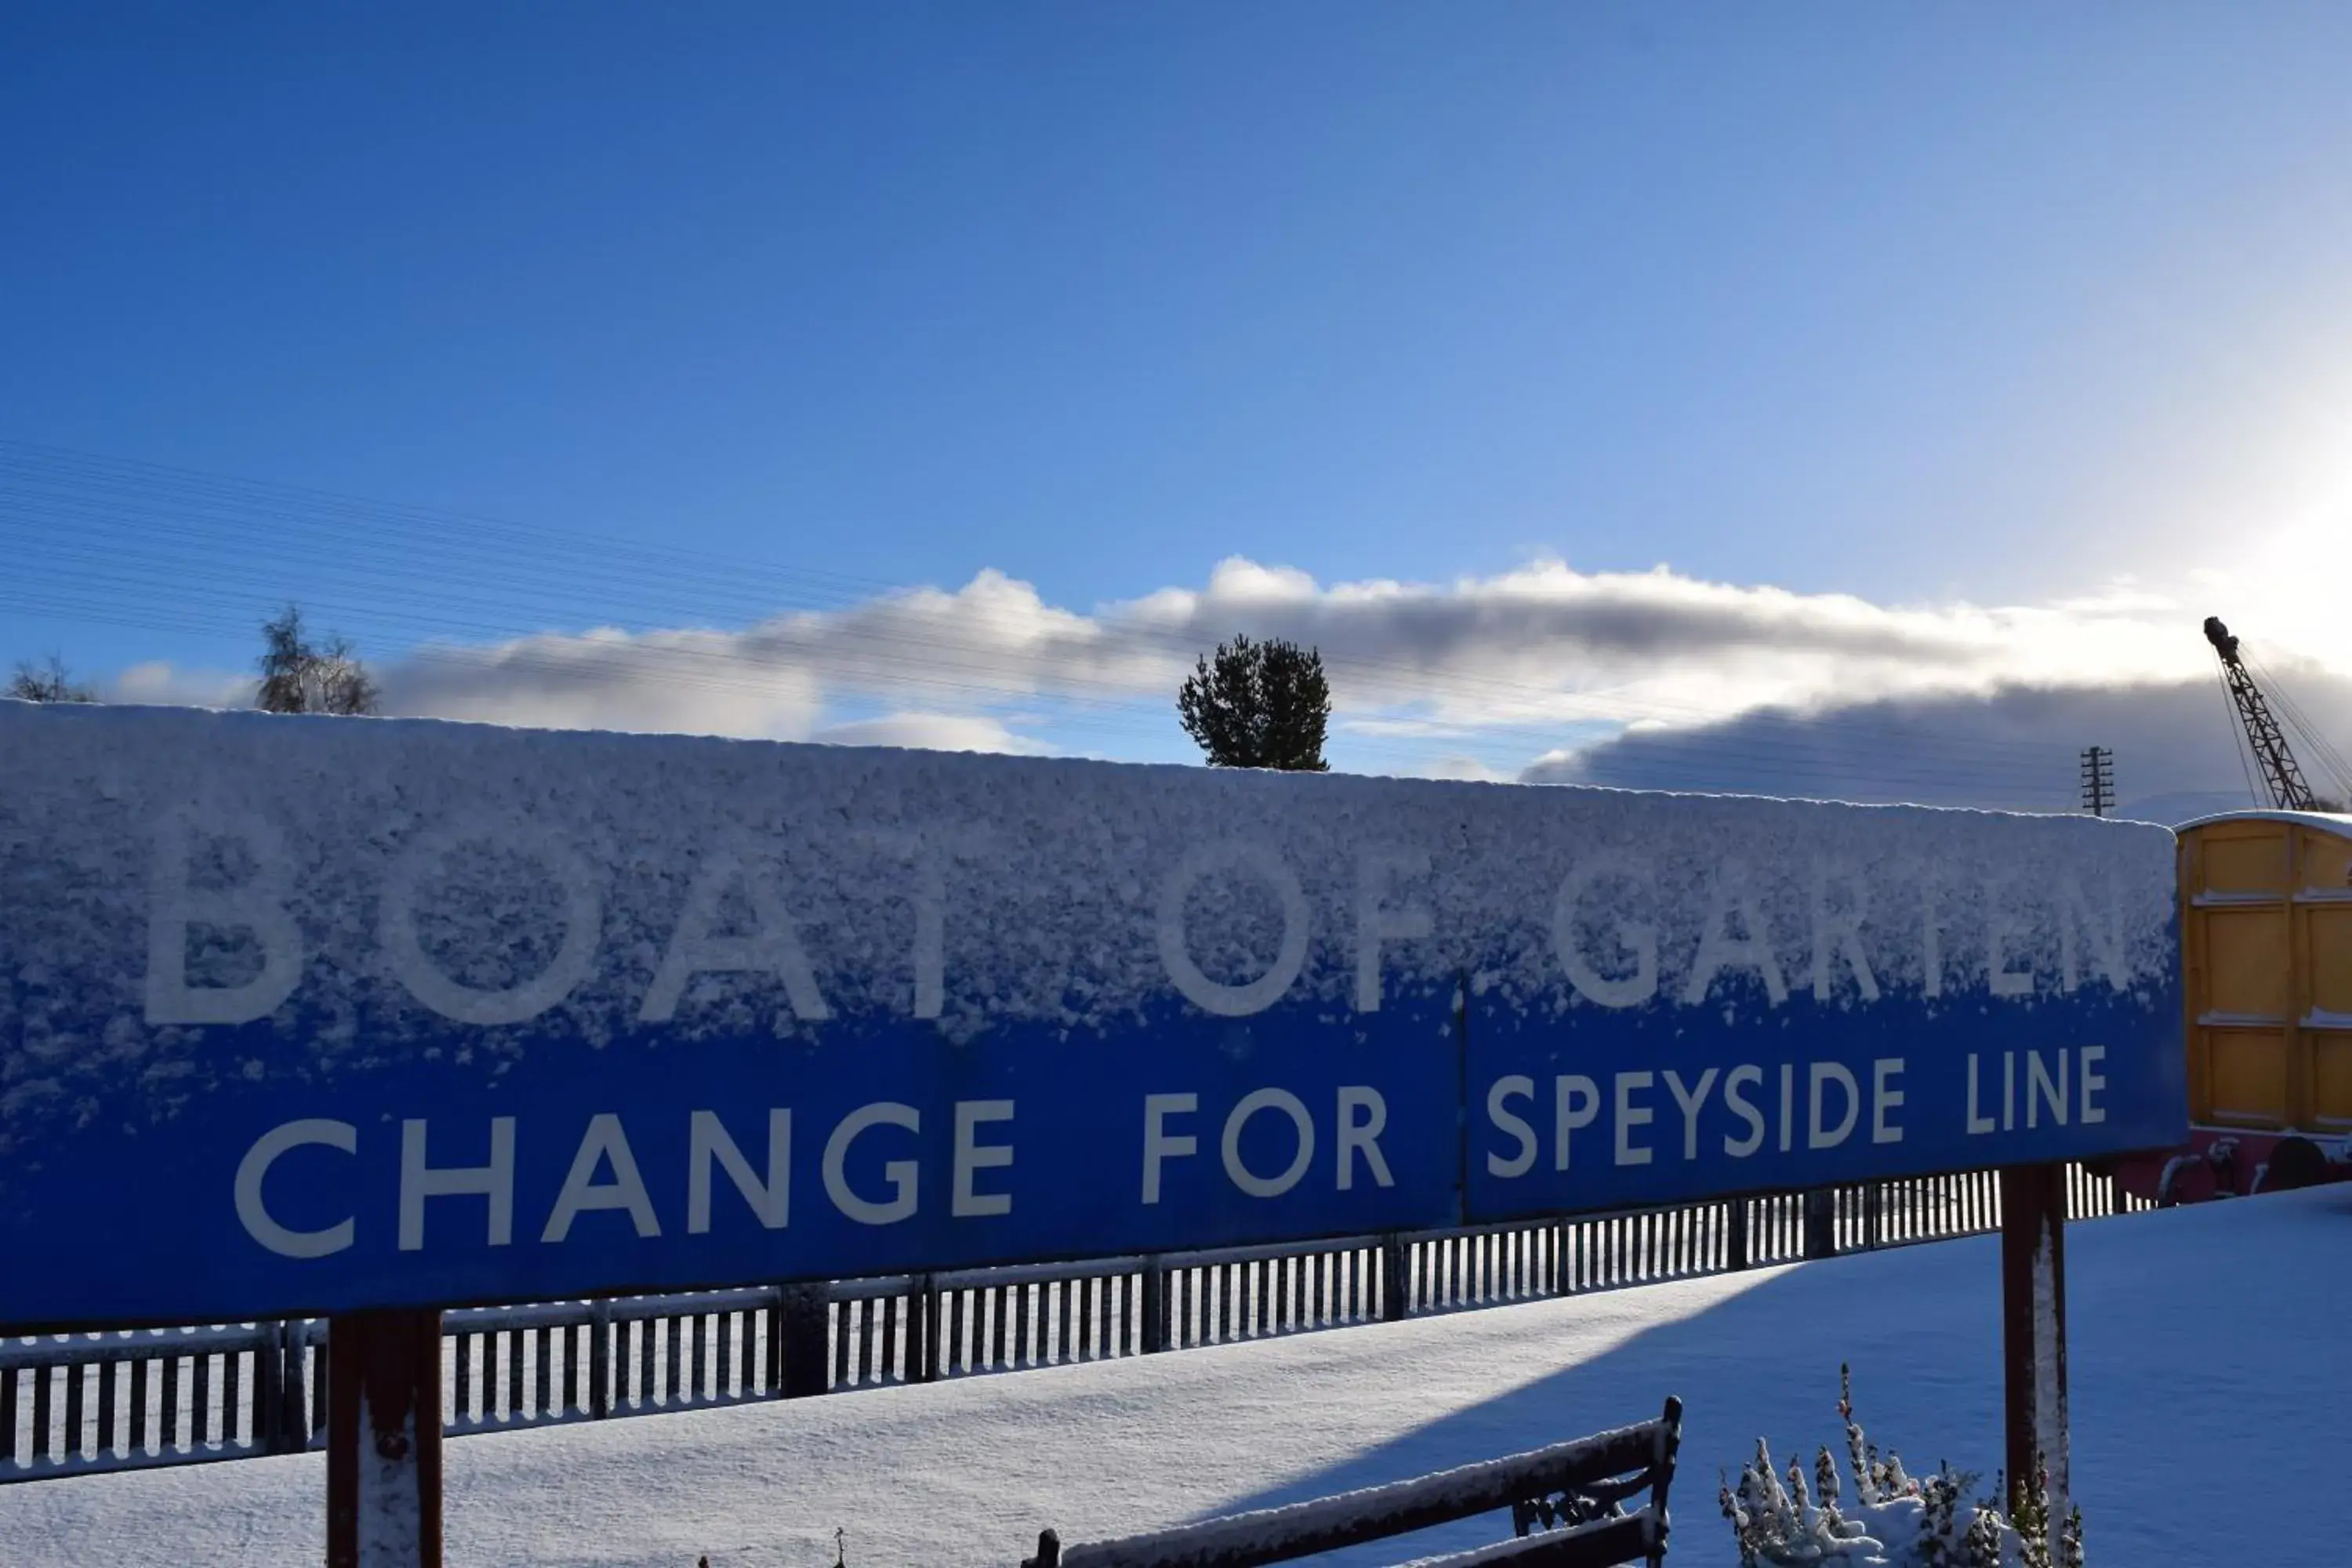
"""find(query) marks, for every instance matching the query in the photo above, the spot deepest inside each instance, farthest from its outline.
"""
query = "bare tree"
(49, 683)
(300, 677)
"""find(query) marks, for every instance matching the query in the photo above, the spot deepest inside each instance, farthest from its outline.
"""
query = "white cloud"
(167, 685)
(1543, 643)
(2175, 745)
(688, 682)
(933, 732)
(1456, 765)
(1647, 677)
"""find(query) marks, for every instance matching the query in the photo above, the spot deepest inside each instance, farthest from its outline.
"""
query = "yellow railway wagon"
(2266, 965)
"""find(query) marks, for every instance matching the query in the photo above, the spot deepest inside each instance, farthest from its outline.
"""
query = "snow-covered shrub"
(1897, 1520)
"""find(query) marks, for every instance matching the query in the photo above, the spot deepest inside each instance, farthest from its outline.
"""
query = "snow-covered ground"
(2210, 1382)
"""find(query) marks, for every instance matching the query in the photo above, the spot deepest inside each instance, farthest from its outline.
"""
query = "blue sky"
(1956, 313)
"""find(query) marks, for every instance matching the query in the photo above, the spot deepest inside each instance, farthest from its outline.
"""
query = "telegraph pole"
(2098, 779)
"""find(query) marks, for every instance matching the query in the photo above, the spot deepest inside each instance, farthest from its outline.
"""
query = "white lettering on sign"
(1690, 1099)
(708, 1140)
(1637, 937)
(1575, 1101)
(606, 1174)
(2047, 1095)
(1161, 1145)
(900, 1174)
(2043, 1091)
(695, 948)
(1719, 949)
(1822, 1107)
(927, 895)
(2074, 915)
(2091, 1082)
(1176, 955)
(931, 901)
(1819, 1135)
(1360, 1117)
(1605, 933)
(1745, 1075)
(255, 906)
(2000, 979)
(526, 999)
(1578, 1102)
(1362, 1138)
(1883, 1098)
(252, 1171)
(419, 1182)
(1837, 933)
(1250, 1104)
(1631, 1116)
(1376, 922)
(1515, 1086)
(1931, 936)
(972, 1156)
(1834, 1103)
(604, 1144)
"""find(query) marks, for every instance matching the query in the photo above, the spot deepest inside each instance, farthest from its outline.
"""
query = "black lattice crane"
(2280, 773)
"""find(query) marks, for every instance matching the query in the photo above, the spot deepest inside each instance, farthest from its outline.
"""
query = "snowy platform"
(2196, 1409)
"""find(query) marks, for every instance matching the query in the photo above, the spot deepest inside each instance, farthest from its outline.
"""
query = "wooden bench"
(1567, 1502)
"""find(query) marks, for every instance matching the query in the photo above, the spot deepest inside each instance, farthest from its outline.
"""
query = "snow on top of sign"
(417, 886)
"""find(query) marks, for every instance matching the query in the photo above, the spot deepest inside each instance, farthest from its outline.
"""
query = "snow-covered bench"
(1567, 1502)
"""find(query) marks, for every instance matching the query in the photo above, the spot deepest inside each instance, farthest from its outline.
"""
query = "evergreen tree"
(1258, 705)
(299, 677)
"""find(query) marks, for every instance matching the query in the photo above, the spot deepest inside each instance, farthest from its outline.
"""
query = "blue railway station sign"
(305, 1016)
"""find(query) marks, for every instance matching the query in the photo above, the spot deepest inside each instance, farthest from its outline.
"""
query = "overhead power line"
(583, 579)
(116, 542)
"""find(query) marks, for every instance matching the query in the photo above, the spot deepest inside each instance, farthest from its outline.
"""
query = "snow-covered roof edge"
(2337, 823)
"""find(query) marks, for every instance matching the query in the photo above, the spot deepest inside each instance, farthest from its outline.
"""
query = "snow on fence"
(76, 1402)
(70, 1403)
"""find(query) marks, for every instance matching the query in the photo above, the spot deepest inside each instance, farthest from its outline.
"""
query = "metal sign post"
(383, 1440)
(2034, 1332)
